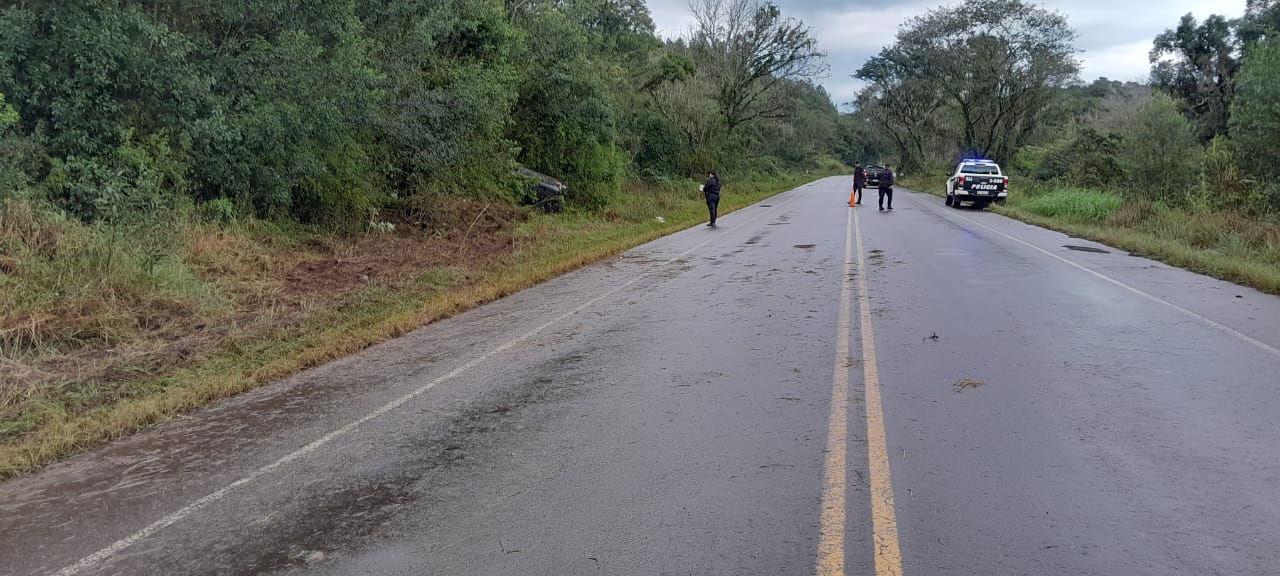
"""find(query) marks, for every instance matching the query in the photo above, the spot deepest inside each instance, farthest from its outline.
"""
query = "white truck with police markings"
(979, 182)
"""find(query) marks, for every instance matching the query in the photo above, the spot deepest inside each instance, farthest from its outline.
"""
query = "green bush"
(1255, 120)
(218, 211)
(1255, 112)
(658, 149)
(345, 195)
(20, 159)
(14, 153)
(8, 116)
(1088, 159)
(1160, 153)
(138, 178)
(1075, 205)
(1223, 183)
(601, 170)
(829, 165)
(1030, 161)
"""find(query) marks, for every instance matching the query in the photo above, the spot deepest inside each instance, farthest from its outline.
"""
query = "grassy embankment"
(107, 330)
(1225, 245)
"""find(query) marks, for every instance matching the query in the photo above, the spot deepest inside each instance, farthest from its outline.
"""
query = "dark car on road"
(873, 175)
(542, 191)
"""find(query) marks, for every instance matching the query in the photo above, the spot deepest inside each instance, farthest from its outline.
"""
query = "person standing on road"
(859, 181)
(711, 190)
(886, 187)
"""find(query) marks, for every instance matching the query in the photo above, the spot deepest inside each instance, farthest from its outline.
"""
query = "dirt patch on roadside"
(457, 233)
(269, 283)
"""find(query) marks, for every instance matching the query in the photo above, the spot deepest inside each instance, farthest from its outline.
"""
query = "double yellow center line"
(831, 560)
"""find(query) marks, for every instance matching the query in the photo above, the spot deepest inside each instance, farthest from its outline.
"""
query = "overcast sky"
(1114, 35)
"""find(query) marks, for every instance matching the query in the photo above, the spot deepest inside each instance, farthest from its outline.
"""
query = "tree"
(1255, 118)
(98, 79)
(858, 139)
(449, 80)
(993, 63)
(902, 105)
(611, 18)
(102, 88)
(808, 134)
(748, 49)
(685, 99)
(1260, 23)
(566, 118)
(1196, 63)
(1160, 152)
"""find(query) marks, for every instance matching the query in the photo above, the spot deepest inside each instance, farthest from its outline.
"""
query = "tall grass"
(1074, 205)
(72, 284)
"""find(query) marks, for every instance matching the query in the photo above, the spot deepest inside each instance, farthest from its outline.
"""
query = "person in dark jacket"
(886, 187)
(711, 190)
(859, 181)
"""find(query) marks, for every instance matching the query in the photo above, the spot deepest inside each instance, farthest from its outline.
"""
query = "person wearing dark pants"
(886, 187)
(859, 181)
(711, 190)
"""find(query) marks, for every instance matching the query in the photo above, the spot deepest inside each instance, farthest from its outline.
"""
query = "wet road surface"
(923, 391)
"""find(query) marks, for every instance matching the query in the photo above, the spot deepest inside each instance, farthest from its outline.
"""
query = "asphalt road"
(807, 389)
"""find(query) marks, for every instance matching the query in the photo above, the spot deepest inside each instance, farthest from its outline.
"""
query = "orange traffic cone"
(853, 198)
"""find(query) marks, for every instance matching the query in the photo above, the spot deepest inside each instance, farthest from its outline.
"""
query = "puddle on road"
(1085, 249)
(806, 246)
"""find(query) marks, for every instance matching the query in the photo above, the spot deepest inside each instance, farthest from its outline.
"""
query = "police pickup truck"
(977, 181)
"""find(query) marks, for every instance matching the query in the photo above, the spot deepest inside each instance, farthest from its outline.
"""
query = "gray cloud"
(1114, 36)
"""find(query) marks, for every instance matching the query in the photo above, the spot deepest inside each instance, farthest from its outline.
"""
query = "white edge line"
(192, 508)
(1210, 322)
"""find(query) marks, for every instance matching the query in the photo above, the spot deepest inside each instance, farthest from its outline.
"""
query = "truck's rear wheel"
(955, 202)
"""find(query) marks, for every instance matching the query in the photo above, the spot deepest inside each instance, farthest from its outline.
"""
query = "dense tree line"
(973, 77)
(998, 78)
(331, 111)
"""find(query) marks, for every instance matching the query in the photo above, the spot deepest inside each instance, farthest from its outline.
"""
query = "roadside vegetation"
(1185, 169)
(199, 198)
